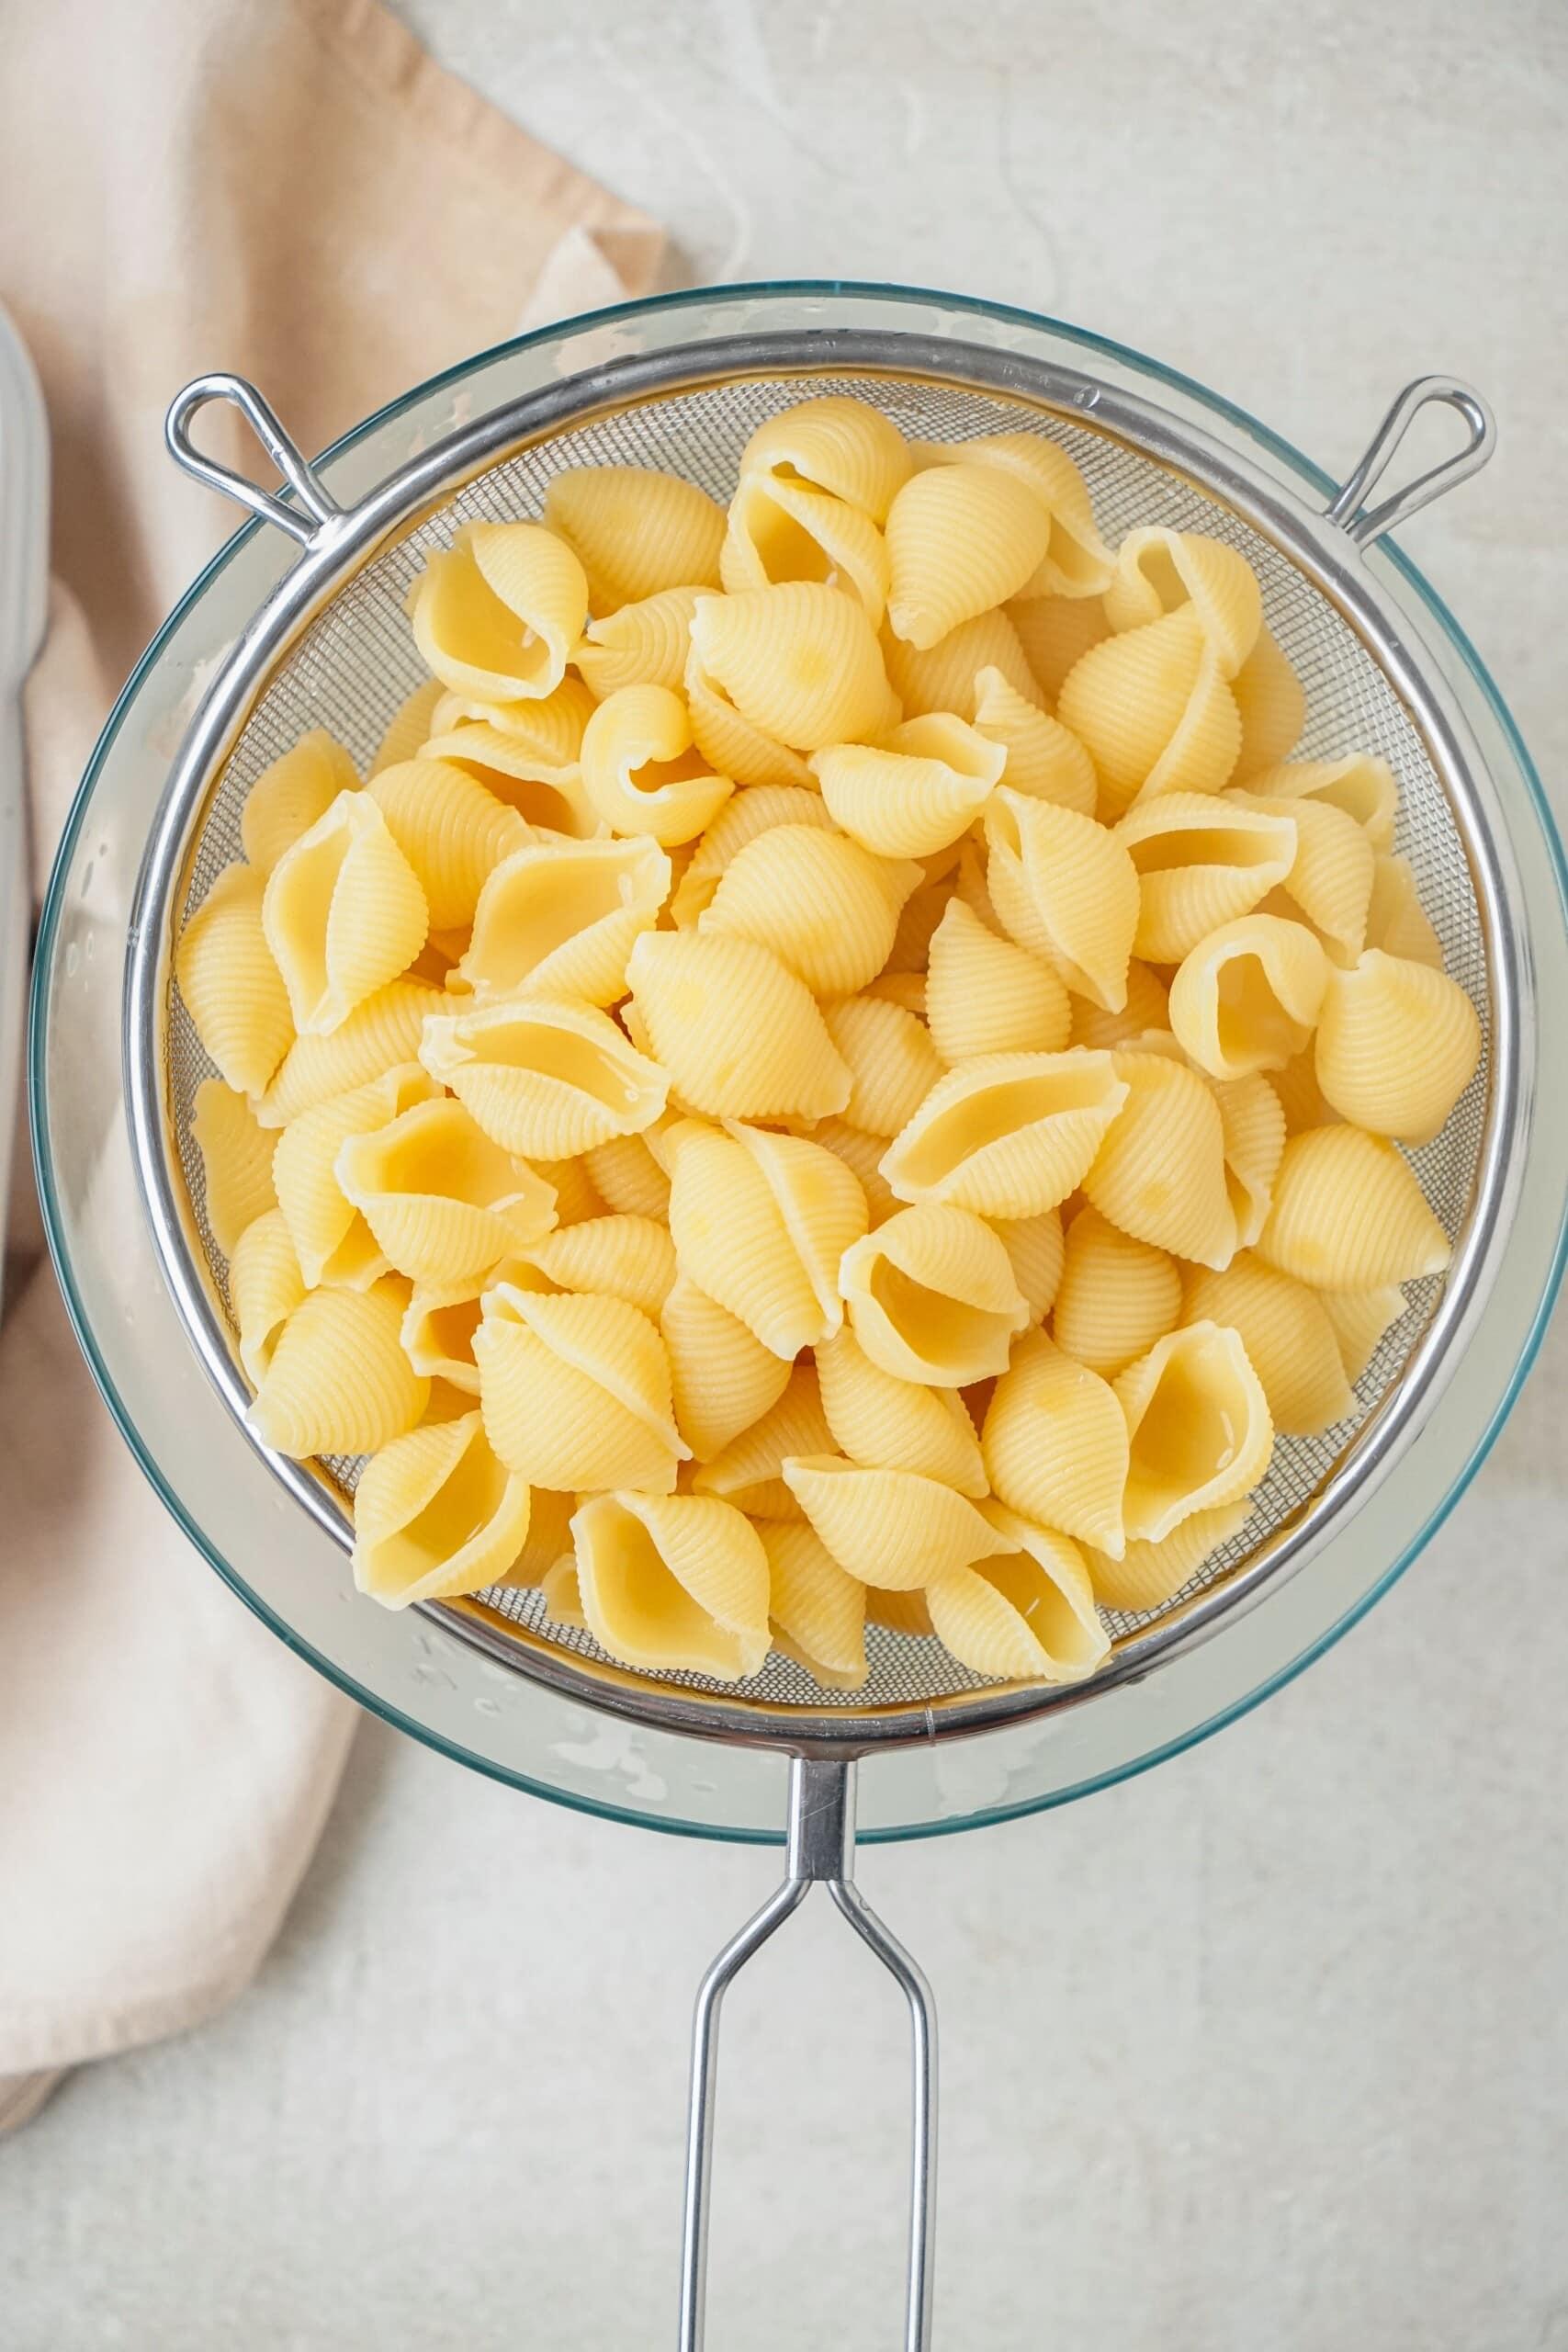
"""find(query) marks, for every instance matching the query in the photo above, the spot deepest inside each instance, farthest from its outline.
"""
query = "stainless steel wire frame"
(1311, 561)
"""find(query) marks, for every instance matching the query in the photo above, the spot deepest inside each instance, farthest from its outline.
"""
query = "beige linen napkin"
(296, 191)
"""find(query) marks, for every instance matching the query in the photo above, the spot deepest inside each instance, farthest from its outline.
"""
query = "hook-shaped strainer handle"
(317, 510)
(1347, 507)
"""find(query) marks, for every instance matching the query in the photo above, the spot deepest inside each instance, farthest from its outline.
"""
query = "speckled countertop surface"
(1269, 2048)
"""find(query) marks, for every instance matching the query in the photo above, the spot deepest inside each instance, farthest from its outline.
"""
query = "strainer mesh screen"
(357, 661)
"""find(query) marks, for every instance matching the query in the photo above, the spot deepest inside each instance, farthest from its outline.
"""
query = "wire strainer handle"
(1348, 506)
(317, 510)
(821, 1847)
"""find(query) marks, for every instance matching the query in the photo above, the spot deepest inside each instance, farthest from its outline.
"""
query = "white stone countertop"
(1269, 2048)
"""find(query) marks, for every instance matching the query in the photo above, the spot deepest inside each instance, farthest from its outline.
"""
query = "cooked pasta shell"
(1247, 996)
(1148, 1575)
(1159, 572)
(901, 1613)
(1289, 1340)
(236, 1160)
(731, 744)
(1055, 632)
(577, 1195)
(800, 662)
(961, 539)
(377, 1035)
(343, 913)
(930, 1297)
(892, 1062)
(1027, 1615)
(1117, 1295)
(265, 1287)
(739, 1035)
(636, 531)
(740, 820)
(560, 919)
(451, 831)
(563, 1594)
(1267, 694)
(496, 617)
(442, 1199)
(862, 1153)
(621, 1175)
(292, 795)
(747, 1472)
(1397, 1044)
(435, 1514)
(338, 1381)
(548, 1550)
(1159, 1173)
(1077, 562)
(1147, 1007)
(946, 676)
(673, 1582)
(761, 1222)
(1154, 711)
(722, 1377)
(779, 530)
(914, 793)
(817, 1609)
(1348, 1213)
(547, 728)
(984, 995)
(1253, 1119)
(891, 1528)
(546, 795)
(641, 771)
(1043, 761)
(441, 1319)
(331, 1238)
(1396, 921)
(644, 644)
(1199, 1428)
(835, 444)
(1036, 1252)
(1360, 1318)
(543, 1080)
(922, 910)
(1361, 786)
(1300, 1096)
(1054, 1442)
(1009, 1135)
(408, 729)
(575, 1390)
(232, 988)
(1331, 877)
(1199, 864)
(827, 908)
(1067, 890)
(884, 1422)
(623, 1257)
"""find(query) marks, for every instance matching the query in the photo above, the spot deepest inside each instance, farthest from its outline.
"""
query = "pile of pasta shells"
(834, 1069)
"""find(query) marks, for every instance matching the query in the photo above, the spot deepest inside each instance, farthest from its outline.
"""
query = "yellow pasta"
(644, 644)
(636, 531)
(779, 530)
(557, 1581)
(1331, 877)
(738, 1035)
(332, 1242)
(1160, 572)
(1290, 1343)
(232, 988)
(1043, 761)
(1147, 1007)
(236, 1160)
(1147, 1575)
(916, 792)
(961, 539)
(1200, 865)
(575, 1390)
(740, 821)
(892, 1062)
(731, 744)
(291, 795)
(547, 1549)
(1159, 1173)
(838, 444)
(343, 912)
(817, 1609)
(1154, 711)
(1360, 1319)
(441, 1319)
(946, 676)
(377, 1035)
(862, 1154)
(1054, 1442)
(1055, 632)
(407, 730)
(890, 1528)
(496, 617)
(673, 1581)
(451, 831)
(1027, 1615)
(827, 908)
(1009, 1135)
(544, 1080)
(623, 1257)
(642, 772)
(1036, 1252)
(1397, 1044)
(1300, 1096)
(801, 663)
(547, 728)
(984, 995)
(1199, 1428)
(441, 1200)
(1248, 994)
(1117, 1295)
(930, 1297)
(1362, 787)
(748, 1472)
(722, 1378)
(1273, 707)
(1396, 921)
(1076, 561)
(1067, 890)
(265, 1287)
(1252, 1119)
(1348, 1214)
(435, 1514)
(560, 919)
(338, 1381)
(888, 1423)
(760, 1223)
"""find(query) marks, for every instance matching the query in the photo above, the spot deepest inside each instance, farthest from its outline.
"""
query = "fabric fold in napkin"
(296, 192)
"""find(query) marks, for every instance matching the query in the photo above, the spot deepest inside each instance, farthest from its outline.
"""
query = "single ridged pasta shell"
(1055, 632)
(1268, 695)
(1077, 562)
(624, 1176)
(892, 1062)
(232, 988)
(1067, 890)
(747, 1472)
(1300, 1096)
(435, 1514)
(441, 1198)
(884, 1422)
(915, 793)
(731, 744)
(1290, 1343)
(338, 1381)
(547, 729)
(985, 995)
(575, 1390)
(817, 1609)
(1362, 787)
(562, 1592)
(739, 1035)
(843, 445)
(547, 1547)
(451, 831)
(1199, 864)
(827, 908)
(636, 531)
(961, 539)
(545, 796)
(265, 1287)
(408, 728)
(1027, 1615)
(1147, 1007)
(1360, 1318)
(1154, 713)
(441, 1319)
(1044, 759)
(890, 1528)
(761, 1222)
(1397, 1044)
(1117, 1295)
(946, 676)
(645, 644)
(292, 795)
(862, 1153)
(1348, 1213)
(781, 530)
(1198, 1426)
(1160, 570)
(673, 1582)
(1253, 1120)
(543, 1080)
(1248, 996)
(330, 1237)
(496, 616)
(1396, 921)
(1148, 1575)
(623, 1257)
(740, 820)
(236, 1160)
(1036, 1251)
(1331, 877)
(343, 912)
(1054, 1442)
(722, 1377)
(1010, 1134)
(377, 1035)
(930, 1297)
(559, 919)
(801, 663)
(1160, 1173)
(642, 772)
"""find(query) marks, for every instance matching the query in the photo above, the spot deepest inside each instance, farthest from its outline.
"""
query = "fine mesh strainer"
(331, 647)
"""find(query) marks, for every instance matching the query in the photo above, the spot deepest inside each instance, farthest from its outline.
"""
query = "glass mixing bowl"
(291, 1573)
